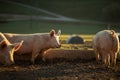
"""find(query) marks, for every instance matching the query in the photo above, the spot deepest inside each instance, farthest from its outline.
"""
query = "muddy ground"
(59, 70)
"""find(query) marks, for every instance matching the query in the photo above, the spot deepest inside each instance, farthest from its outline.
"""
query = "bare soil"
(59, 70)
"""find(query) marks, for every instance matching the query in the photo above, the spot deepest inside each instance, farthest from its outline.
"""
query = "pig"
(7, 50)
(106, 47)
(35, 43)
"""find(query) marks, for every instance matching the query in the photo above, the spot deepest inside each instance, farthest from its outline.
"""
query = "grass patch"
(42, 26)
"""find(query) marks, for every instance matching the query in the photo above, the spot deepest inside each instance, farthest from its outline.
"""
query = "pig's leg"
(34, 56)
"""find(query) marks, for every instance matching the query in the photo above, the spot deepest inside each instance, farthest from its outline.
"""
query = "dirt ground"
(59, 70)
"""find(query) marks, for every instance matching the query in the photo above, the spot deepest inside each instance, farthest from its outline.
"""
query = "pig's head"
(54, 39)
(7, 50)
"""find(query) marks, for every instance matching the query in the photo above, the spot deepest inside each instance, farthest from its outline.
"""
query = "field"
(76, 17)
(61, 69)
(66, 70)
(22, 16)
(46, 26)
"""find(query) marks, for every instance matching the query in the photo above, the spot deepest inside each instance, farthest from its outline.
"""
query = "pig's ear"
(52, 32)
(17, 46)
(3, 44)
(59, 32)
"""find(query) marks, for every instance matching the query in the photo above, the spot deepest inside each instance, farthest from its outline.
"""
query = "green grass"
(40, 26)
(80, 9)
